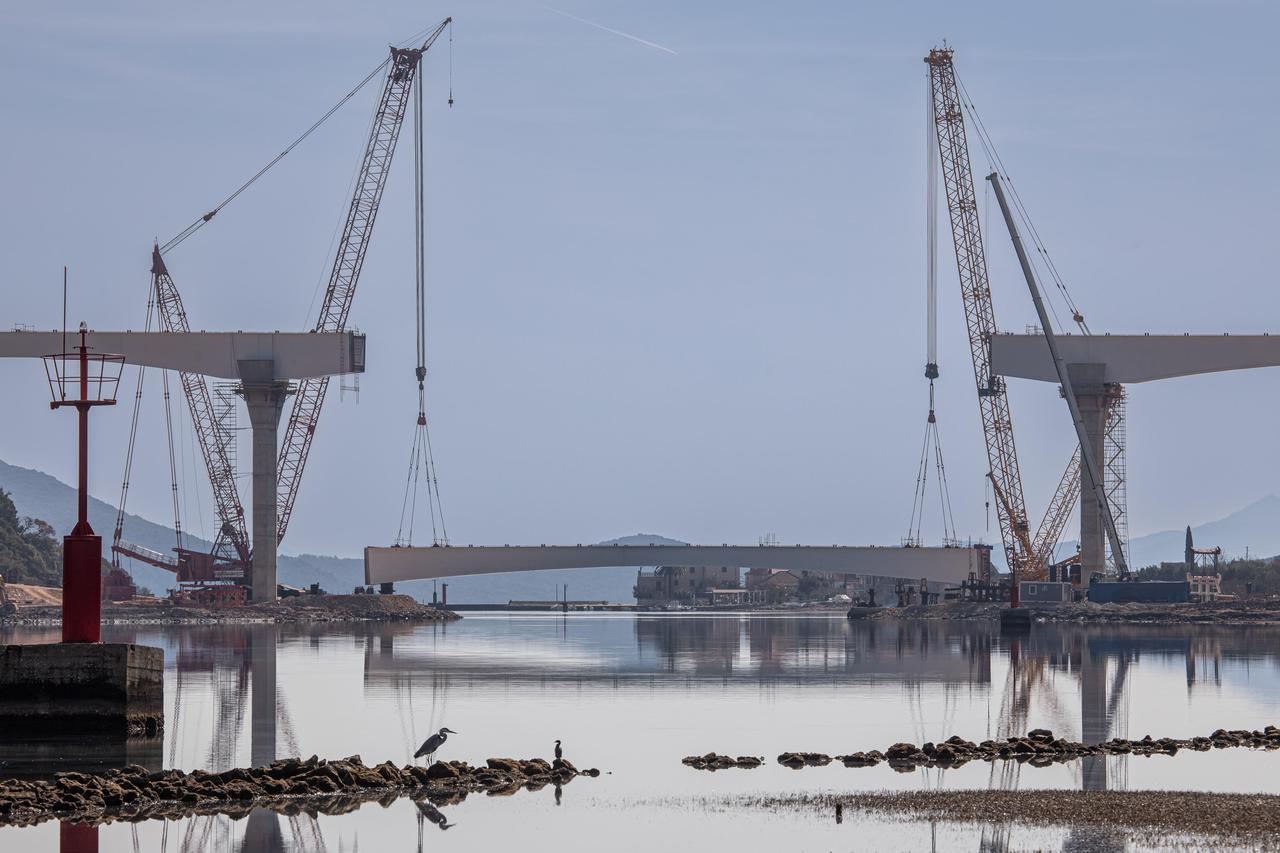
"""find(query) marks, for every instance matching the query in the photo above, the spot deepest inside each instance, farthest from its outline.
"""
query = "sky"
(675, 251)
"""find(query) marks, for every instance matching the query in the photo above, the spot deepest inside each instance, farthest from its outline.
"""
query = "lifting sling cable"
(421, 460)
(931, 451)
(133, 438)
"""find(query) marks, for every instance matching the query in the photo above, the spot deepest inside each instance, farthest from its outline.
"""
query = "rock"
(901, 751)
(535, 767)
(442, 770)
(389, 773)
(1041, 735)
(794, 760)
(945, 754)
(747, 761)
(510, 765)
(563, 764)
(592, 772)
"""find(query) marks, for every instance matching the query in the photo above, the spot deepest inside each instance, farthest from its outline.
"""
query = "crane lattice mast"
(975, 288)
(345, 275)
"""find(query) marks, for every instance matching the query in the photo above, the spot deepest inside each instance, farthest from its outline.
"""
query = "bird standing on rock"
(431, 744)
(559, 751)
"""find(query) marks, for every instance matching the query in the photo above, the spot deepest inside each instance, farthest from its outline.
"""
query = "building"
(774, 585)
(683, 584)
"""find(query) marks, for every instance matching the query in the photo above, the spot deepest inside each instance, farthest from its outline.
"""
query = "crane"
(232, 547)
(1026, 555)
(305, 414)
(1029, 556)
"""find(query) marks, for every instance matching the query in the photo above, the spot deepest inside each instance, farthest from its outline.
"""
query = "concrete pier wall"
(70, 689)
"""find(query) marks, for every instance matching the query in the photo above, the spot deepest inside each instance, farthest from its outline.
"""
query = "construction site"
(1019, 662)
(272, 371)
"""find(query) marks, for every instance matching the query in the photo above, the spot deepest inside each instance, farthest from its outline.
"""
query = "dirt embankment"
(1263, 612)
(302, 608)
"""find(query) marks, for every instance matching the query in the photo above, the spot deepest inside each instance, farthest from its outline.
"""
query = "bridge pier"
(264, 398)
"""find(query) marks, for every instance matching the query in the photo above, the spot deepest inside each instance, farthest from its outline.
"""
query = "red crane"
(1025, 556)
(308, 400)
(232, 548)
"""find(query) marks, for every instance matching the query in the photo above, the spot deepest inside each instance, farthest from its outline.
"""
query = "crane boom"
(971, 260)
(211, 437)
(1055, 520)
(345, 275)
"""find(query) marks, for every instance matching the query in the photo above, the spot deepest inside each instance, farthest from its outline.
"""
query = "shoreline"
(303, 609)
(1202, 814)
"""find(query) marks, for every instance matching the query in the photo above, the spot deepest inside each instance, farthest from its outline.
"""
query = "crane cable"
(422, 466)
(931, 451)
(993, 159)
(203, 220)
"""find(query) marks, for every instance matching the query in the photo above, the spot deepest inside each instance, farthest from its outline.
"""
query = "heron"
(432, 813)
(559, 751)
(431, 744)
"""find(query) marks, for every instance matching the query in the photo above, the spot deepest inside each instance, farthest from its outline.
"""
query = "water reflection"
(624, 650)
(229, 689)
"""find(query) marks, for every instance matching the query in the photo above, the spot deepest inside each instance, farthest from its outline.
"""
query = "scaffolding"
(1113, 473)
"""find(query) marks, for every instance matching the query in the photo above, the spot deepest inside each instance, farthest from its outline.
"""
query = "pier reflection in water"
(633, 694)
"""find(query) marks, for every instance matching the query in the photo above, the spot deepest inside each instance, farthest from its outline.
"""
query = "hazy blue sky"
(678, 293)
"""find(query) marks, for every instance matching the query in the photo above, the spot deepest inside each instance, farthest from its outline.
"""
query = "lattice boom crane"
(1027, 556)
(962, 205)
(305, 414)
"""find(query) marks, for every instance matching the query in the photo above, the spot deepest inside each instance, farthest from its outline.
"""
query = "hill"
(40, 495)
(1256, 527)
(29, 552)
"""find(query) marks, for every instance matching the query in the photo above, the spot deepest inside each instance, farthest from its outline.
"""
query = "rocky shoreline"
(1039, 748)
(1265, 612)
(308, 609)
(288, 786)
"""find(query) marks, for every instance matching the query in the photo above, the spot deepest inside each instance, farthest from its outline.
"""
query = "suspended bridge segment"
(949, 565)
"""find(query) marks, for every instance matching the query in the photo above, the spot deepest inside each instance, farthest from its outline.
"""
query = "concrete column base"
(72, 689)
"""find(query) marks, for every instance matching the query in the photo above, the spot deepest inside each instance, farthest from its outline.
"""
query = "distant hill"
(1256, 526)
(40, 495)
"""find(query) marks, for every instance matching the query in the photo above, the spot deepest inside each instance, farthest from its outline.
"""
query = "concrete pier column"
(1094, 725)
(1091, 397)
(262, 662)
(264, 398)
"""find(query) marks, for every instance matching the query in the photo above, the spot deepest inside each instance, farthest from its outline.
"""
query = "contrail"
(610, 30)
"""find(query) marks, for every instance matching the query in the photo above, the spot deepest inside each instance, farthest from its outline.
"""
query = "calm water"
(633, 694)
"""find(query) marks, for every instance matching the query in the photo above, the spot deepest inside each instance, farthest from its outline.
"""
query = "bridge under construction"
(948, 565)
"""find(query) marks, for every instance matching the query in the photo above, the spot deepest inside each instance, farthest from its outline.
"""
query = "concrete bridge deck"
(950, 565)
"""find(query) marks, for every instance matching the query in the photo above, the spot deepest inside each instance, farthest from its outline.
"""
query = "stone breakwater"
(1039, 748)
(289, 786)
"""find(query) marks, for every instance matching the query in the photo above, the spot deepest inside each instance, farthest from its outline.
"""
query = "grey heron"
(431, 744)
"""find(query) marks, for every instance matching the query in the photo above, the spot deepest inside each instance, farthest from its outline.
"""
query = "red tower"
(97, 374)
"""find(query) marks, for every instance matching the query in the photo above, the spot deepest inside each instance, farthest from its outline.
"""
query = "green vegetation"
(29, 549)
(1239, 577)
